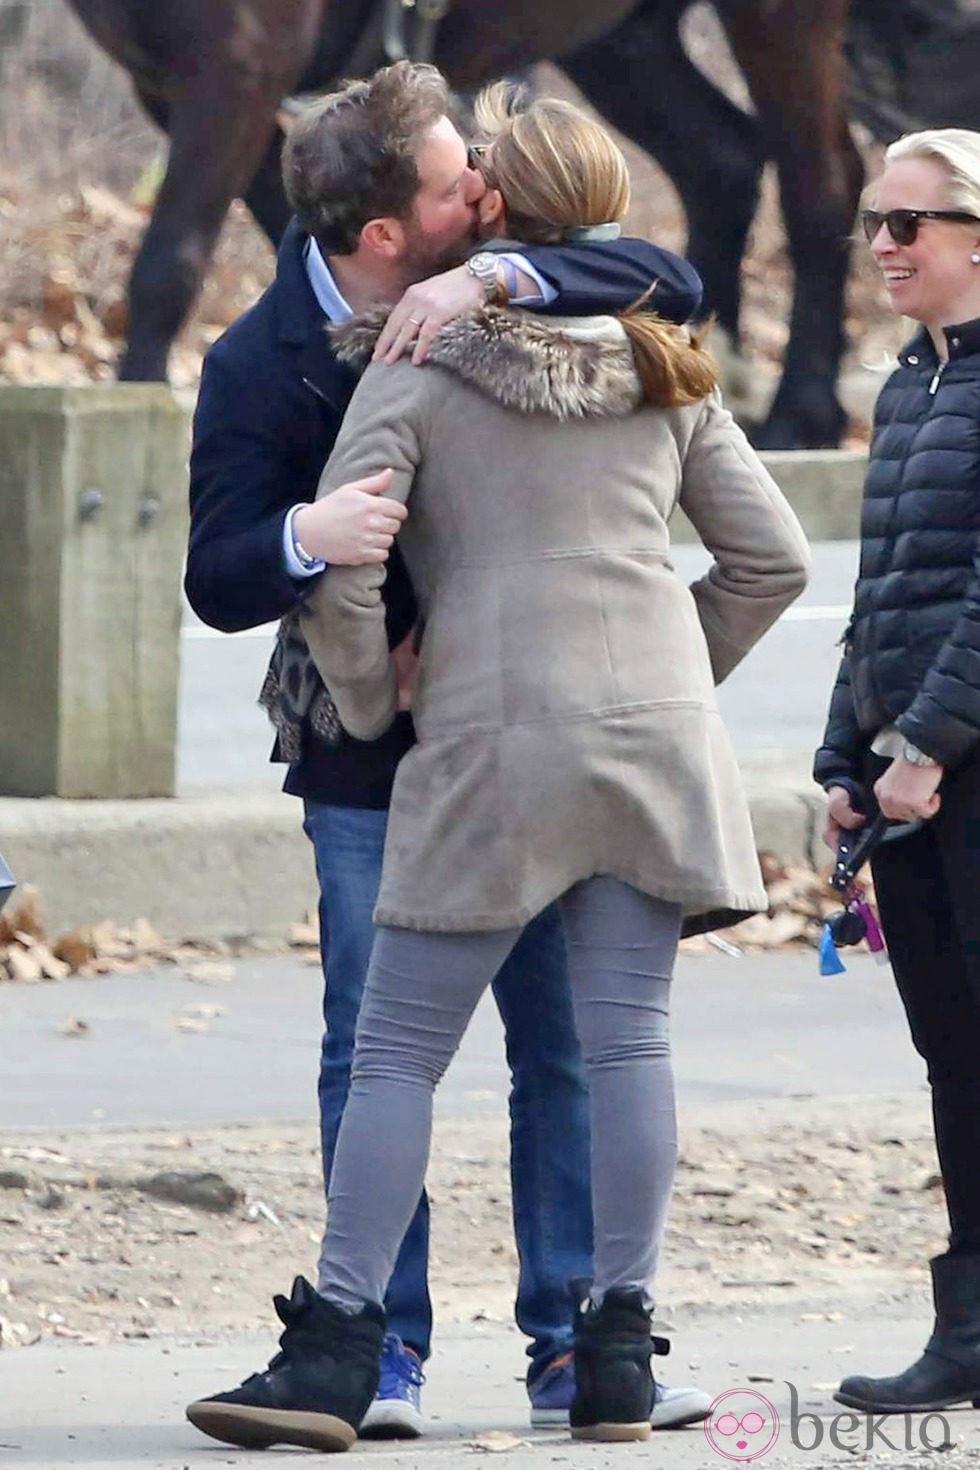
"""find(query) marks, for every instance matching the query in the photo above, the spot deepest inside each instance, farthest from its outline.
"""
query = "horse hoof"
(787, 429)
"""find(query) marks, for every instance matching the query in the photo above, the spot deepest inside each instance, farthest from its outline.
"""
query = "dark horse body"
(213, 77)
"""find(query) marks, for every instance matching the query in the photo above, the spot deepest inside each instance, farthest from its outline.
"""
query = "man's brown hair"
(352, 156)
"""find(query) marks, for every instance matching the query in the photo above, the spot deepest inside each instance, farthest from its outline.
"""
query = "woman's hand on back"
(906, 792)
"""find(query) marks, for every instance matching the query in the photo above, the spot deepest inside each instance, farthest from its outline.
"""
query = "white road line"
(197, 631)
(815, 614)
(809, 613)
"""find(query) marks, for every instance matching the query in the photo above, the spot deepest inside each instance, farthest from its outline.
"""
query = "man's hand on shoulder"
(424, 310)
(355, 525)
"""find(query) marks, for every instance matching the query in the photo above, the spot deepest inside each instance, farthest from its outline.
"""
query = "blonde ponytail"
(674, 368)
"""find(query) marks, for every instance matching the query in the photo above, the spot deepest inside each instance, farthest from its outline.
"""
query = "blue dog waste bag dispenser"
(7, 882)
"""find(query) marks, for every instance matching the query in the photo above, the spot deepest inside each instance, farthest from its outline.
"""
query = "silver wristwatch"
(917, 757)
(483, 265)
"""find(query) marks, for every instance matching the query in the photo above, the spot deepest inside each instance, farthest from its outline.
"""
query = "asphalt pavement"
(122, 1406)
(761, 1027)
(756, 1029)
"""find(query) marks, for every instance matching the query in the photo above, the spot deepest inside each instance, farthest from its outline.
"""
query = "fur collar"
(565, 367)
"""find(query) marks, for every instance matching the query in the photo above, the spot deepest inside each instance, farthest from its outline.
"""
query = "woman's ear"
(490, 210)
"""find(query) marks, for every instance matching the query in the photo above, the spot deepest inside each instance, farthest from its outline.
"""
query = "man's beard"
(423, 258)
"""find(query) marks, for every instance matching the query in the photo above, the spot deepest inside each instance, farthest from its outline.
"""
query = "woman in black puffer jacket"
(903, 734)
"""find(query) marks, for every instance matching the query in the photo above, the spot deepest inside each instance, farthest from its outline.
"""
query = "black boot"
(949, 1370)
(614, 1388)
(316, 1390)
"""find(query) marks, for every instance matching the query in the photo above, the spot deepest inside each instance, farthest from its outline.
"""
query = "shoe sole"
(549, 1418)
(613, 1433)
(853, 1402)
(391, 1419)
(677, 1418)
(257, 1429)
(681, 1407)
(680, 1421)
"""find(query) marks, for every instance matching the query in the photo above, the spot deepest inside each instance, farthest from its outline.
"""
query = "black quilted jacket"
(912, 646)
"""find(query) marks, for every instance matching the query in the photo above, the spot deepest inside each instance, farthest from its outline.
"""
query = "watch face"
(483, 262)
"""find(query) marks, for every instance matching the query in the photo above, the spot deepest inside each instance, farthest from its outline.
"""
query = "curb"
(238, 865)
(205, 868)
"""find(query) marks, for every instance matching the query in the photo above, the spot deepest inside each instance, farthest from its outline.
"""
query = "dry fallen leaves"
(799, 902)
(106, 948)
(495, 1442)
(75, 1026)
(17, 1334)
(67, 257)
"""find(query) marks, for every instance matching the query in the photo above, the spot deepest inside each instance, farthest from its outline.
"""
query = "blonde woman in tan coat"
(569, 743)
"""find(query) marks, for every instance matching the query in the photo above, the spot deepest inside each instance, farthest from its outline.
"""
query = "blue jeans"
(549, 1104)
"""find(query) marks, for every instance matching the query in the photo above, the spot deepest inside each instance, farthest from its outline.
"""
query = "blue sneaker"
(552, 1391)
(396, 1412)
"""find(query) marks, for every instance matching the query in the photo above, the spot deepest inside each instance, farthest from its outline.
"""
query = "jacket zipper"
(323, 397)
(933, 386)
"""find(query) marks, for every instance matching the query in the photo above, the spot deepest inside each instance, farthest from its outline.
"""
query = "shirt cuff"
(293, 565)
(546, 292)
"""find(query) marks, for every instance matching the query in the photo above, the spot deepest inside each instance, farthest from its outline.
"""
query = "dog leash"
(857, 920)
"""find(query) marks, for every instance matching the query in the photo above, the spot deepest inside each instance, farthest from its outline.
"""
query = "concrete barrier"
(215, 867)
(824, 487)
(93, 528)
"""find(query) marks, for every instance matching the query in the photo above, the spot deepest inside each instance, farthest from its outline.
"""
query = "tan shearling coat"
(565, 707)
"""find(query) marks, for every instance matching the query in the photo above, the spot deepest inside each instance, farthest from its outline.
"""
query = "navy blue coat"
(912, 647)
(271, 402)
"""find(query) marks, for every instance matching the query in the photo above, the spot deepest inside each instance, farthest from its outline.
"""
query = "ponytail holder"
(585, 234)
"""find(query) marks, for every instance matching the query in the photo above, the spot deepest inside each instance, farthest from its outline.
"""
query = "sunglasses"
(476, 156)
(903, 224)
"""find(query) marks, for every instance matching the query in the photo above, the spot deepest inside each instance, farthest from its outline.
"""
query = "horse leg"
(792, 54)
(220, 131)
(266, 197)
(642, 81)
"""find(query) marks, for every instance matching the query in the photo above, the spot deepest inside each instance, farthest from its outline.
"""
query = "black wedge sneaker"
(948, 1371)
(614, 1387)
(317, 1388)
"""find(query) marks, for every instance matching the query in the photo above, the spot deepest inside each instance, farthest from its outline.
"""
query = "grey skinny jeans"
(421, 991)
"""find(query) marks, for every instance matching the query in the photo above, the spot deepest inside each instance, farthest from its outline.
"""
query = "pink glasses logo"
(742, 1425)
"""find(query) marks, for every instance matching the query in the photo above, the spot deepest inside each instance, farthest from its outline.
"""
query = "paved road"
(777, 700)
(113, 1408)
(761, 1027)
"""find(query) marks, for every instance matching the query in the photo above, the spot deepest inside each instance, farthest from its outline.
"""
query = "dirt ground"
(795, 1203)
